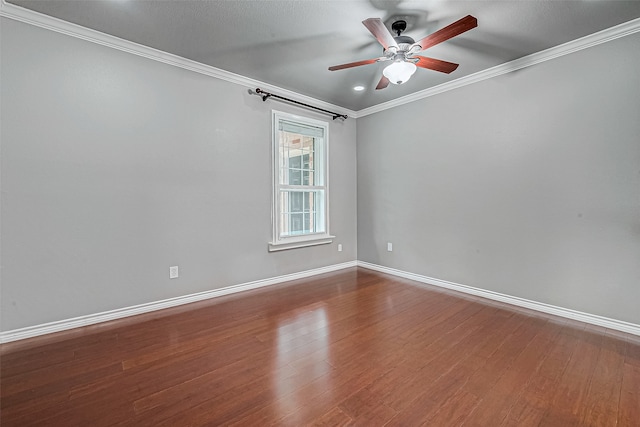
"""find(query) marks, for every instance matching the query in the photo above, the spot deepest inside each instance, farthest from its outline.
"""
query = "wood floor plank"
(365, 408)
(334, 418)
(535, 398)
(353, 347)
(482, 381)
(51, 393)
(496, 404)
(629, 406)
(568, 406)
(455, 411)
(444, 355)
(632, 351)
(602, 400)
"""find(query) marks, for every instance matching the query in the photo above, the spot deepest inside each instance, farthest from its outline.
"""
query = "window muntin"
(300, 181)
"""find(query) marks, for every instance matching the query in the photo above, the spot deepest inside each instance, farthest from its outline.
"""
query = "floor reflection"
(301, 352)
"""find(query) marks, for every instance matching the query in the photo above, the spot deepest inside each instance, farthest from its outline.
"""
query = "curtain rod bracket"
(266, 95)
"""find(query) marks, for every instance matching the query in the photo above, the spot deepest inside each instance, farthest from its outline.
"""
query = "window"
(300, 190)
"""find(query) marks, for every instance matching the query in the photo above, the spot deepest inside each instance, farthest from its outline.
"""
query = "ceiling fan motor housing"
(404, 43)
(403, 66)
(404, 40)
(402, 53)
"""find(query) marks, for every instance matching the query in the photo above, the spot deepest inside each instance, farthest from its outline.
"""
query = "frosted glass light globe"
(399, 72)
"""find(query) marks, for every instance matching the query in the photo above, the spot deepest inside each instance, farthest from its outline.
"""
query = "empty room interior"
(367, 212)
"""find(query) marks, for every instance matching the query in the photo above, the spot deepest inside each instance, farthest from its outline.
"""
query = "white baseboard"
(91, 319)
(593, 319)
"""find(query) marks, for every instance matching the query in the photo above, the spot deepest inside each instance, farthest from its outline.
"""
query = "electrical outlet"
(389, 247)
(339, 247)
(173, 272)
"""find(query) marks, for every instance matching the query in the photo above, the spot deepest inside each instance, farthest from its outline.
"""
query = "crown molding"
(591, 40)
(54, 24)
(37, 19)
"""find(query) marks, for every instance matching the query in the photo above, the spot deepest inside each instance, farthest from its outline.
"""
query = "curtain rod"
(266, 95)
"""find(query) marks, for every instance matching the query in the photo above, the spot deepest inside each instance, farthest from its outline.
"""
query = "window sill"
(322, 240)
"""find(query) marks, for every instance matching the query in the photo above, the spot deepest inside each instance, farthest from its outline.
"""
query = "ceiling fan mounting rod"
(399, 26)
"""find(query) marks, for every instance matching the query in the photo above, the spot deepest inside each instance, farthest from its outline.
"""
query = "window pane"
(301, 212)
(284, 213)
(284, 146)
(308, 201)
(295, 176)
(307, 224)
(297, 154)
(297, 223)
(295, 162)
(284, 202)
(296, 201)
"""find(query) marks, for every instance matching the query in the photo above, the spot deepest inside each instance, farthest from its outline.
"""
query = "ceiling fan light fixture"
(399, 72)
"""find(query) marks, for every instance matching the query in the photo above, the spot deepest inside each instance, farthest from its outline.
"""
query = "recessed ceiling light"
(358, 88)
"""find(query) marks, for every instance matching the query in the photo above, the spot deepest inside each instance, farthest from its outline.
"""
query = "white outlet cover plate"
(173, 272)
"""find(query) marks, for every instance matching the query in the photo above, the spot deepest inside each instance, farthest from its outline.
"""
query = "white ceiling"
(290, 44)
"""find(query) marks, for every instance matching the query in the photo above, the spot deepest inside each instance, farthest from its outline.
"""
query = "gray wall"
(527, 184)
(115, 167)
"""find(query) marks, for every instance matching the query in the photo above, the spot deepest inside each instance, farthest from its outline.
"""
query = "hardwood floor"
(353, 347)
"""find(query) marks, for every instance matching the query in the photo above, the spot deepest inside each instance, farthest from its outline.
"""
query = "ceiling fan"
(402, 50)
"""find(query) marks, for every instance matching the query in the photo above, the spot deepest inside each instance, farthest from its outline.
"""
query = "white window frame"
(278, 241)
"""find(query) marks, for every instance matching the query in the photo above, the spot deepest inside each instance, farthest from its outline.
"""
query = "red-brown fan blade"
(384, 82)
(353, 64)
(452, 30)
(436, 64)
(377, 28)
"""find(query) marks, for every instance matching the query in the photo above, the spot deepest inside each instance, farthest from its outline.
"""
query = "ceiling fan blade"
(436, 64)
(353, 64)
(450, 31)
(381, 33)
(383, 83)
